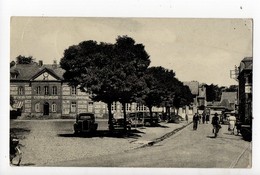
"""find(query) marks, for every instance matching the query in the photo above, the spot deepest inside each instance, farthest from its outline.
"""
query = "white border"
(121, 8)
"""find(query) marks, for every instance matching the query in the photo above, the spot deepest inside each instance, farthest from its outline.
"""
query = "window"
(37, 107)
(38, 90)
(54, 107)
(46, 90)
(13, 76)
(113, 106)
(128, 107)
(73, 90)
(54, 90)
(20, 90)
(73, 107)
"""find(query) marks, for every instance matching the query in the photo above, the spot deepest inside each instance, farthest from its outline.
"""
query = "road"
(187, 148)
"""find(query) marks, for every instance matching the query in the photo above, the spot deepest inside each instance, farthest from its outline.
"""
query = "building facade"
(245, 79)
(40, 91)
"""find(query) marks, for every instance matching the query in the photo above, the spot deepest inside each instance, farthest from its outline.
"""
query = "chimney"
(55, 65)
(40, 63)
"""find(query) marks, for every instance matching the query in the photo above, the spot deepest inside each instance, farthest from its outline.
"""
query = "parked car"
(144, 118)
(85, 122)
(118, 123)
(173, 118)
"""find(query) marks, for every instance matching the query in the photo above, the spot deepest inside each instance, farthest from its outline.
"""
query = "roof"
(193, 85)
(28, 71)
(230, 96)
(246, 64)
(226, 99)
(226, 104)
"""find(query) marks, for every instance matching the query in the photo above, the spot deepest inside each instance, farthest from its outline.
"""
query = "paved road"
(187, 148)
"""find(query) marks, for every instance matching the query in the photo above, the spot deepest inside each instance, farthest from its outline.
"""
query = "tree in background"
(12, 64)
(232, 88)
(24, 60)
(157, 88)
(213, 92)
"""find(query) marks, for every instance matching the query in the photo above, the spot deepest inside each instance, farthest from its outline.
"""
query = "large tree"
(109, 72)
(159, 86)
(213, 92)
(24, 60)
(131, 63)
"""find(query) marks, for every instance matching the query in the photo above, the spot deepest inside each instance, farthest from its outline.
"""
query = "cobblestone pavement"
(44, 142)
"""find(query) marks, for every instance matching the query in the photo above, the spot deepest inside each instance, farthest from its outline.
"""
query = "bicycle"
(15, 151)
(216, 130)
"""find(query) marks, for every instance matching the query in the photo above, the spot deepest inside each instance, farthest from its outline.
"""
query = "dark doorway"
(46, 109)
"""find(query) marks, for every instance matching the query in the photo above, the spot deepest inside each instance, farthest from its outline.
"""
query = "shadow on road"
(106, 133)
(156, 126)
(20, 133)
(27, 164)
(211, 137)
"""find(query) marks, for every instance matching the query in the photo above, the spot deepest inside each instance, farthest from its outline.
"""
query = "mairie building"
(39, 90)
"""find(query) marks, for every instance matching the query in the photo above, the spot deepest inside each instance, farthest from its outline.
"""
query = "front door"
(46, 109)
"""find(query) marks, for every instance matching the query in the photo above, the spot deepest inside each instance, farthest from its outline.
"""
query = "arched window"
(37, 107)
(54, 107)
(20, 90)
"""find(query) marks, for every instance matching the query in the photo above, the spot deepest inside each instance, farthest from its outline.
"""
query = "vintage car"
(118, 123)
(143, 118)
(85, 123)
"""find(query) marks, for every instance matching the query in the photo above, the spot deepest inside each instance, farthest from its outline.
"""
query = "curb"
(165, 136)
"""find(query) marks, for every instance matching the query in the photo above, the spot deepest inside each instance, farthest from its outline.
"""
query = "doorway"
(46, 108)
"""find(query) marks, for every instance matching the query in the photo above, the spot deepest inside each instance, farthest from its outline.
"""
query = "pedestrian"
(187, 118)
(195, 121)
(207, 118)
(199, 118)
(215, 123)
(203, 118)
(232, 122)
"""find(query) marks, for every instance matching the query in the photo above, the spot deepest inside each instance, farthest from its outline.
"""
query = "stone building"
(39, 90)
(199, 96)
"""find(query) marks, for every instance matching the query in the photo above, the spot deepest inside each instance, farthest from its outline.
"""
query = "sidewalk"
(152, 135)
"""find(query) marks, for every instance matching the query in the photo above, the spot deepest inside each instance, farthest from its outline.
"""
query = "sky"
(203, 50)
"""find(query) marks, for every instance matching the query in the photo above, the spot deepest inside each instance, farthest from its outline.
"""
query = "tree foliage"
(12, 63)
(24, 60)
(232, 88)
(164, 89)
(109, 72)
(213, 92)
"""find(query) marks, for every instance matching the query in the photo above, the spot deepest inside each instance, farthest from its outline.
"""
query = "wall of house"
(25, 97)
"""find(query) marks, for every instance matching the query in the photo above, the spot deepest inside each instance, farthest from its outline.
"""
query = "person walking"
(215, 123)
(207, 118)
(232, 122)
(203, 118)
(195, 121)
(199, 118)
(187, 118)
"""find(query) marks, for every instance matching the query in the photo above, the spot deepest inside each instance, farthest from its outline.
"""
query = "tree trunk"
(124, 111)
(110, 116)
(168, 112)
(151, 114)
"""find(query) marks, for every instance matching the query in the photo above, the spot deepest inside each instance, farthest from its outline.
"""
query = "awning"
(18, 105)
